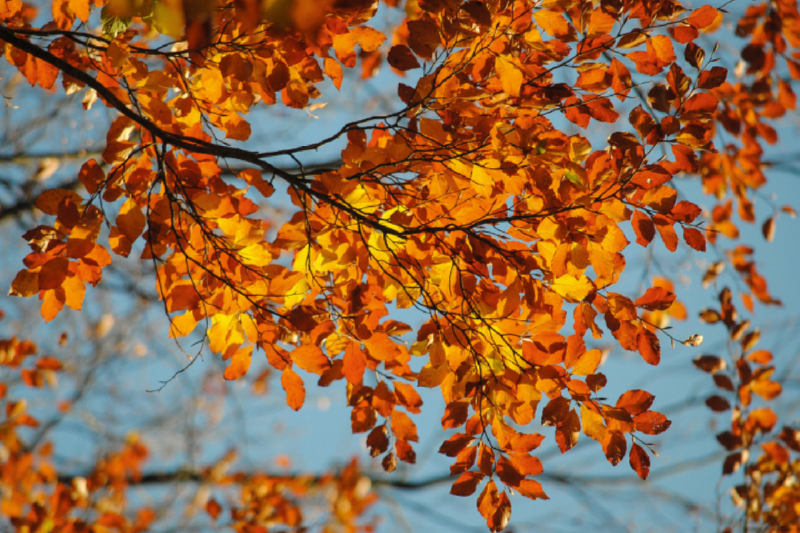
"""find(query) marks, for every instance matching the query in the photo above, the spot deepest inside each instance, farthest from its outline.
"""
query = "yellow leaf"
(572, 288)
(182, 325)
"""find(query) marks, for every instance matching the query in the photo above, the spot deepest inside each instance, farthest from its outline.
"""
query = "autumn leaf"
(401, 58)
(572, 288)
(240, 364)
(656, 298)
(311, 359)
(466, 484)
(295, 391)
(640, 461)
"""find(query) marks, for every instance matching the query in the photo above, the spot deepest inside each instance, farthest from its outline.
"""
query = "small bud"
(694, 340)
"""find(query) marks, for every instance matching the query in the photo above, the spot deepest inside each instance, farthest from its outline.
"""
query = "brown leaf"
(717, 403)
(53, 273)
(455, 414)
(378, 440)
(643, 227)
(555, 411)
(401, 58)
(640, 461)
(453, 446)
(615, 445)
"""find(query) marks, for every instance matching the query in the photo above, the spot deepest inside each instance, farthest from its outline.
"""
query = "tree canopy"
(478, 234)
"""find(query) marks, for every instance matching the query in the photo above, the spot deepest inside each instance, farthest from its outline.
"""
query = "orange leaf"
(383, 399)
(488, 501)
(408, 396)
(466, 484)
(648, 345)
(295, 391)
(25, 284)
(92, 176)
(49, 363)
(532, 489)
(213, 508)
(355, 362)
(701, 103)
(382, 348)
(131, 220)
(553, 23)
(48, 201)
(238, 129)
(508, 473)
(635, 401)
(74, 292)
(588, 363)
(662, 45)
(240, 364)
(311, 359)
(52, 304)
(702, 17)
(403, 428)
(656, 298)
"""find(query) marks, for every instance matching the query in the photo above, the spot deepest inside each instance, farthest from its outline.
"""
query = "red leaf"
(656, 298)
(651, 422)
(640, 461)
(695, 239)
(685, 212)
